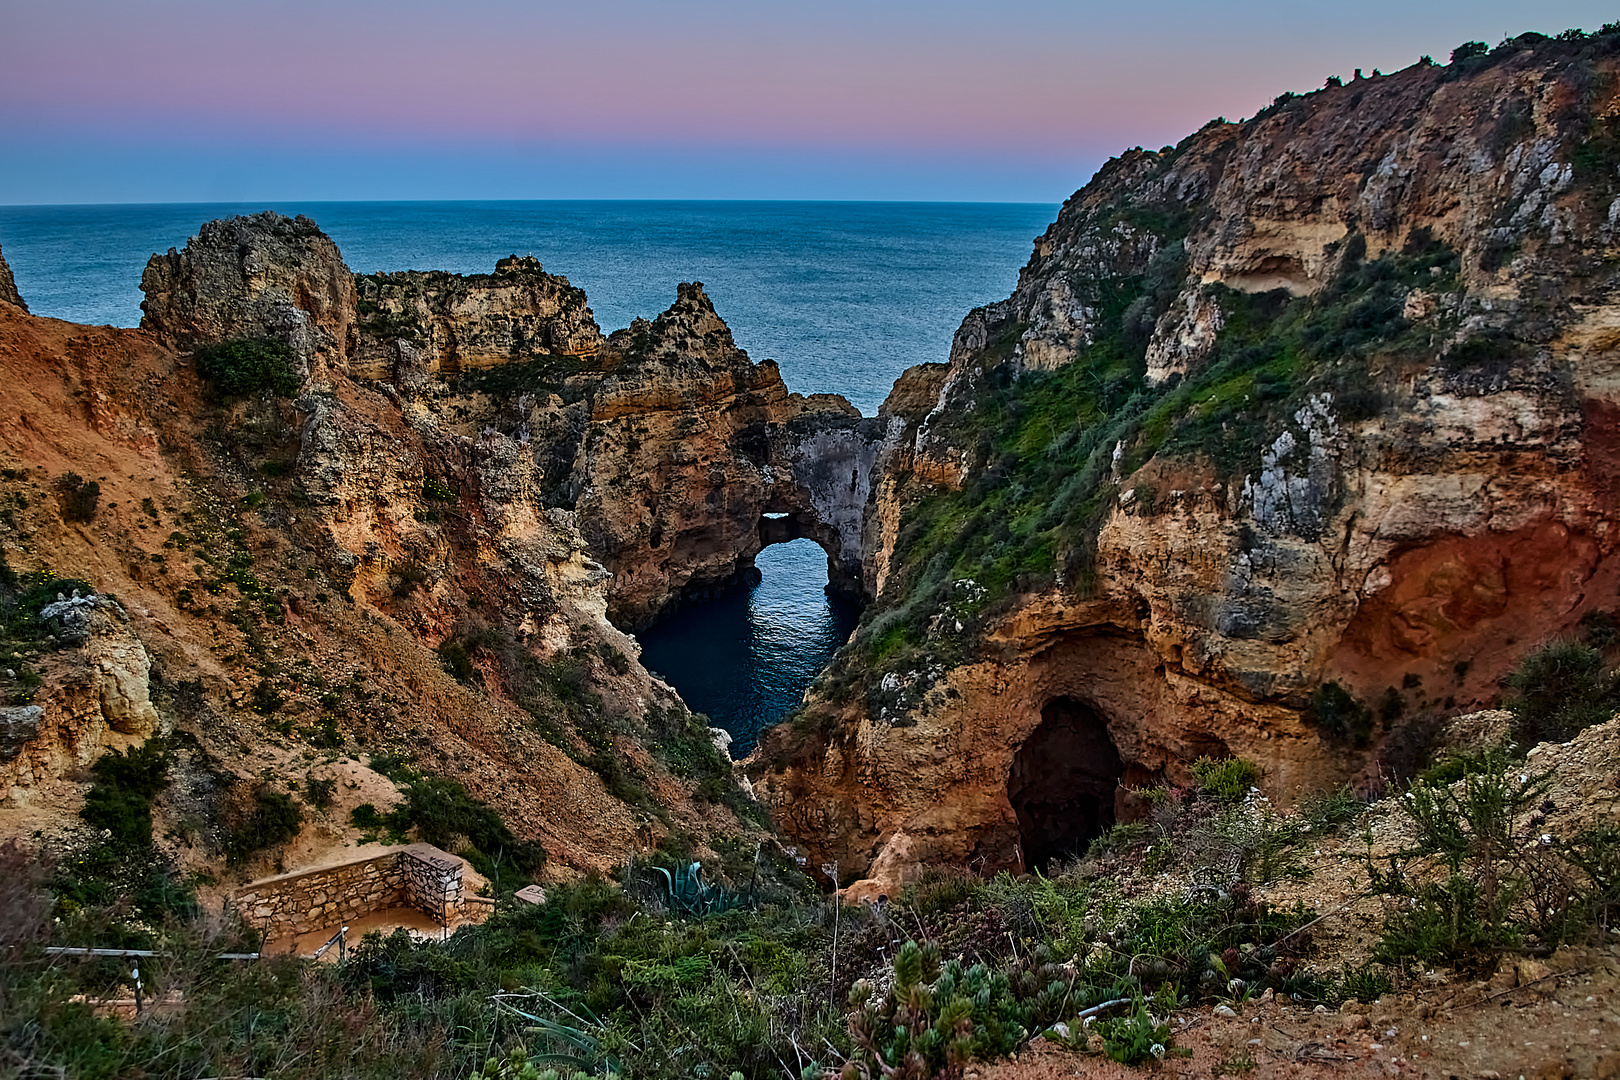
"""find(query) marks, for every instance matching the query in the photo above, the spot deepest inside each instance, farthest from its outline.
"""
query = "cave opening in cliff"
(1063, 782)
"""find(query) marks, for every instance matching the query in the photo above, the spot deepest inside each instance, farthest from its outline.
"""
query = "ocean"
(844, 296)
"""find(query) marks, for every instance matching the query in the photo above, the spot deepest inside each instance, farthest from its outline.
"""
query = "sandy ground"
(419, 923)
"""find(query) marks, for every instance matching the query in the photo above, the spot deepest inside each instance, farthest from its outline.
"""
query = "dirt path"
(1564, 1025)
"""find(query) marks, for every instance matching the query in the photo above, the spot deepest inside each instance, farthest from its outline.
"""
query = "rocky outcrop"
(97, 697)
(1322, 398)
(440, 323)
(692, 459)
(8, 285)
(259, 276)
(675, 455)
(348, 568)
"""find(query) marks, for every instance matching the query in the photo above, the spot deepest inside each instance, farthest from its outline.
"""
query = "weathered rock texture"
(99, 700)
(253, 277)
(430, 321)
(8, 285)
(1325, 396)
(664, 444)
(687, 445)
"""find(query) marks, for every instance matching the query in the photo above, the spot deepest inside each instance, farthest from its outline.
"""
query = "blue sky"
(230, 100)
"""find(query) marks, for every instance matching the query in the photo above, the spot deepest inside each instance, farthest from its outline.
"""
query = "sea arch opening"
(778, 527)
(1064, 782)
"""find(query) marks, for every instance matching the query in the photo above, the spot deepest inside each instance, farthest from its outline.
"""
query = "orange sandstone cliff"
(1293, 438)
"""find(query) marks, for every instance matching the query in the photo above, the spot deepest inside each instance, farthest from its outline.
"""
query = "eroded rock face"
(97, 696)
(263, 275)
(8, 285)
(1416, 511)
(665, 443)
(445, 323)
(286, 562)
(689, 444)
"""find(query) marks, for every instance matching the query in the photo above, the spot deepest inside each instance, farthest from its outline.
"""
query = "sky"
(123, 101)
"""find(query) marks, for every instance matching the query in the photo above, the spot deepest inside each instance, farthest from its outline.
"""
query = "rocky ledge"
(8, 285)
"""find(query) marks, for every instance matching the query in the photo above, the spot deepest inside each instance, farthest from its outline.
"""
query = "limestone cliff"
(440, 323)
(1292, 438)
(348, 572)
(676, 455)
(259, 276)
(8, 285)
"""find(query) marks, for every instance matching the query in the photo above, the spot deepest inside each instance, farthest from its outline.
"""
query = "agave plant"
(687, 891)
(587, 1055)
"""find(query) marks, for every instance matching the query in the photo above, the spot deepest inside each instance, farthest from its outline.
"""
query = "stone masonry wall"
(417, 875)
(432, 882)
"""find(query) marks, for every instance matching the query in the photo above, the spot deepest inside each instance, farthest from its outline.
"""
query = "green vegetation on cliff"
(244, 366)
(1048, 448)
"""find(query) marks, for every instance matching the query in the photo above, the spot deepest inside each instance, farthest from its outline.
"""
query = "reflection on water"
(746, 659)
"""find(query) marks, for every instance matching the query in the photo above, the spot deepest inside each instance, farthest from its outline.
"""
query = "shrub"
(123, 865)
(126, 783)
(1558, 690)
(1505, 880)
(1600, 629)
(1330, 810)
(79, 497)
(456, 660)
(318, 792)
(1446, 922)
(1337, 714)
(1134, 1039)
(244, 366)
(367, 818)
(1118, 838)
(1228, 779)
(272, 818)
(442, 812)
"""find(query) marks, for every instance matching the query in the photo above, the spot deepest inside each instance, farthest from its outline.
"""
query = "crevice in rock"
(1063, 783)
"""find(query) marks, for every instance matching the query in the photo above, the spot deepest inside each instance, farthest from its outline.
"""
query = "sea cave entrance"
(1062, 783)
(746, 656)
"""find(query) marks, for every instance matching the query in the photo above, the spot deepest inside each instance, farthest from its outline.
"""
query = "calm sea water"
(745, 659)
(844, 296)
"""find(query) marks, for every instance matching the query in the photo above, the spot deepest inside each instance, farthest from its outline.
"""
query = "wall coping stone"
(427, 852)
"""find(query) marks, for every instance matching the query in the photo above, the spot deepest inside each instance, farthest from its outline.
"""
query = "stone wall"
(417, 875)
(432, 882)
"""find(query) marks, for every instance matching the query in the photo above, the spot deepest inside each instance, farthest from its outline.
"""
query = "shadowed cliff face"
(8, 285)
(1325, 396)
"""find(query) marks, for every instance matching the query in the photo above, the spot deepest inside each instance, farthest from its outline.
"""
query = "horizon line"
(269, 204)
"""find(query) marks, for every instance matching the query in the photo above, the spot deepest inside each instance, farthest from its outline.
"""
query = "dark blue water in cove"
(745, 659)
(844, 296)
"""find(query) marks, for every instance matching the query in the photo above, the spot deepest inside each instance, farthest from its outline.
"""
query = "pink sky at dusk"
(174, 100)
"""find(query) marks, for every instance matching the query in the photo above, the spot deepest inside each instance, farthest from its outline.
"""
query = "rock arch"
(822, 468)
